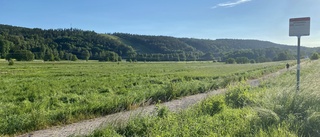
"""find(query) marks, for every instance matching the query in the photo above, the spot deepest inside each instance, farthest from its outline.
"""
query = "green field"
(37, 95)
(274, 108)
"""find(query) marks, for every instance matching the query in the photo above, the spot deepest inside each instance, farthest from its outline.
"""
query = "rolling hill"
(67, 44)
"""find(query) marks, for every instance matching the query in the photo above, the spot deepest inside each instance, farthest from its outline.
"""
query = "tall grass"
(298, 109)
(274, 108)
(36, 95)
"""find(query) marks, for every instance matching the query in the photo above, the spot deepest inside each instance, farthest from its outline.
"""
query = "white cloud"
(231, 4)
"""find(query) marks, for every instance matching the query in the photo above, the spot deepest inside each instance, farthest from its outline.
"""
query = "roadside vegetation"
(37, 95)
(274, 108)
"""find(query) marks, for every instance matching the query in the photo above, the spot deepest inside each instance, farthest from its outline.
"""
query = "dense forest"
(71, 44)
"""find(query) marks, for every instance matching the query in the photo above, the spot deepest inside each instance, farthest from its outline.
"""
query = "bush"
(213, 105)
(11, 62)
(231, 61)
(242, 60)
(267, 117)
(74, 58)
(314, 56)
(48, 57)
(22, 55)
(135, 127)
(238, 97)
(108, 131)
(162, 111)
(313, 125)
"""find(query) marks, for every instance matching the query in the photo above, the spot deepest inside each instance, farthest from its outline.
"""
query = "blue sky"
(208, 19)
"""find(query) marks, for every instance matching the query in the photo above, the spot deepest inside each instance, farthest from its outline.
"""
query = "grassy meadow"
(36, 95)
(274, 108)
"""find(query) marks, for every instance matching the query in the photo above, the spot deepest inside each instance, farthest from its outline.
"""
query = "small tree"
(314, 56)
(214, 61)
(242, 60)
(252, 61)
(23, 55)
(11, 62)
(48, 57)
(85, 55)
(231, 61)
(74, 58)
(57, 58)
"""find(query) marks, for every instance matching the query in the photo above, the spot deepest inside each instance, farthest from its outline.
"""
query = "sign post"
(299, 27)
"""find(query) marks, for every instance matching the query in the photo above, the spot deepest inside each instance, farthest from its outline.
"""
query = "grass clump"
(239, 96)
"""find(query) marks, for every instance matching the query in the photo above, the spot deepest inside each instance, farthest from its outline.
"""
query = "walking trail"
(88, 126)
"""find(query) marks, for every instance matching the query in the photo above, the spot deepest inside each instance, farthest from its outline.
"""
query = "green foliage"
(22, 55)
(86, 55)
(274, 108)
(59, 42)
(231, 61)
(136, 127)
(284, 56)
(313, 125)
(242, 60)
(11, 62)
(74, 58)
(106, 132)
(48, 94)
(239, 97)
(162, 111)
(109, 56)
(314, 56)
(49, 57)
(90, 45)
(4, 47)
(213, 106)
(297, 109)
(252, 61)
(267, 117)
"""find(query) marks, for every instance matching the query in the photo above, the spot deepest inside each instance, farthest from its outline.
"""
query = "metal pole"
(298, 65)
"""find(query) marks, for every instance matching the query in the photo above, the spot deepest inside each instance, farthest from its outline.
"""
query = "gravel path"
(87, 126)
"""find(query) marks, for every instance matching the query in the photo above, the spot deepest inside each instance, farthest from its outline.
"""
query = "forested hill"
(71, 44)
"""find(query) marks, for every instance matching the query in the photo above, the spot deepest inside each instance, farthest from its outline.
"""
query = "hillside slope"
(68, 44)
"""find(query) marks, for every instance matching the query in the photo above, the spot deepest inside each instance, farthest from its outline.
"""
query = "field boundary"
(87, 126)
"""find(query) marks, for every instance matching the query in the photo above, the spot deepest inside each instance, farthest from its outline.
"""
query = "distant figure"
(287, 65)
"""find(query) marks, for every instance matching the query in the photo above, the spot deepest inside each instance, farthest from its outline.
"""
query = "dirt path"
(88, 126)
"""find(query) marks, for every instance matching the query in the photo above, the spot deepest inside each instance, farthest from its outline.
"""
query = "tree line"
(72, 44)
(59, 44)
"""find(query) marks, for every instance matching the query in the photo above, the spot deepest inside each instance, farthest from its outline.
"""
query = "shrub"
(162, 111)
(74, 58)
(242, 60)
(48, 57)
(231, 61)
(108, 131)
(135, 127)
(213, 105)
(314, 56)
(11, 62)
(23, 55)
(313, 125)
(267, 117)
(238, 97)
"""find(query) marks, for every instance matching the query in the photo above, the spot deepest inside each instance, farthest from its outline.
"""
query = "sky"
(266, 20)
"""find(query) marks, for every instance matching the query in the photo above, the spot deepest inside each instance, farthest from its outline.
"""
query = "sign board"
(299, 26)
